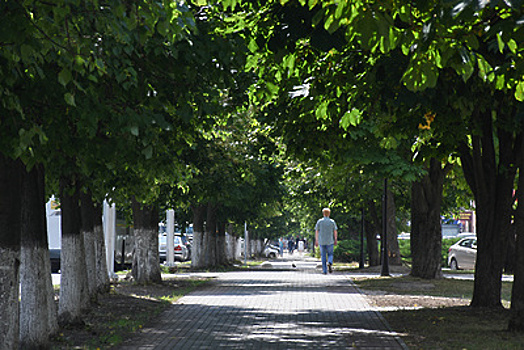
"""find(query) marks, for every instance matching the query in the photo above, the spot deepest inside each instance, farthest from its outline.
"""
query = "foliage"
(347, 251)
(405, 249)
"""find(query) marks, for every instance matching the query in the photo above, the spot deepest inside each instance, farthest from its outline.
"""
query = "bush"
(347, 251)
(405, 250)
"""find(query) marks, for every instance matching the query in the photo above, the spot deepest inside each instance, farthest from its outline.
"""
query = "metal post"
(170, 238)
(245, 243)
(384, 240)
(361, 262)
(109, 233)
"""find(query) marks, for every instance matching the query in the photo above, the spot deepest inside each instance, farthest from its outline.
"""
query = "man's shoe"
(330, 267)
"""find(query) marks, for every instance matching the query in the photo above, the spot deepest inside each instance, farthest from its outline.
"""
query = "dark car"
(54, 255)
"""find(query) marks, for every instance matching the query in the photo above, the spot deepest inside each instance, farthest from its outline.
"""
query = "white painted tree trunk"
(146, 267)
(9, 295)
(73, 283)
(230, 247)
(90, 255)
(197, 253)
(38, 314)
(11, 173)
(146, 264)
(102, 277)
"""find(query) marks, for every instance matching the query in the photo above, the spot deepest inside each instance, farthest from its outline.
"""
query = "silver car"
(181, 246)
(463, 254)
(271, 251)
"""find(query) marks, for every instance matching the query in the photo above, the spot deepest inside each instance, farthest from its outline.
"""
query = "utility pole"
(246, 237)
(361, 262)
(170, 232)
(384, 239)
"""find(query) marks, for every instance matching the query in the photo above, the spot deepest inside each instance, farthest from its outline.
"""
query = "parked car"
(463, 254)
(404, 235)
(182, 248)
(54, 255)
(270, 251)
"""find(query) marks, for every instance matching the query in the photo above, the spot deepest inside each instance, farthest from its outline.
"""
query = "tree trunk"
(73, 282)
(222, 258)
(88, 231)
(211, 236)
(516, 322)
(197, 253)
(231, 245)
(426, 230)
(38, 314)
(102, 275)
(146, 262)
(393, 248)
(10, 230)
(372, 232)
(490, 175)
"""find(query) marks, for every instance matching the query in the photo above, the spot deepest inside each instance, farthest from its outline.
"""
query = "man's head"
(326, 212)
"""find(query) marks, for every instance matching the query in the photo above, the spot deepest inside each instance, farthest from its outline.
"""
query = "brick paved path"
(298, 309)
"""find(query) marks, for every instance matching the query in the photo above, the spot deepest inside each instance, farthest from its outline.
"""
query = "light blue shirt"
(326, 231)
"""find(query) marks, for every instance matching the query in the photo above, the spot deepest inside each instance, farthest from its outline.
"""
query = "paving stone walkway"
(271, 309)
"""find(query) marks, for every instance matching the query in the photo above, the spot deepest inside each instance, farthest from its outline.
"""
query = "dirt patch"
(396, 301)
(126, 309)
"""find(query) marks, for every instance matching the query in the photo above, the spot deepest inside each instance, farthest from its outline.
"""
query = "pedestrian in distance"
(281, 246)
(326, 239)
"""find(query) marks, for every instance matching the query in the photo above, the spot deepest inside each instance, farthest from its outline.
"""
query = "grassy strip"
(122, 312)
(446, 327)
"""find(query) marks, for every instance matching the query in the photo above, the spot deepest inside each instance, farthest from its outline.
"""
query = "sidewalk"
(271, 309)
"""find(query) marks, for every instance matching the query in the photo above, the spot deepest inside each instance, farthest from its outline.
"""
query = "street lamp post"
(384, 240)
(361, 262)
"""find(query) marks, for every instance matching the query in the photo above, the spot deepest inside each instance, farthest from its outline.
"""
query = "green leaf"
(519, 91)
(64, 77)
(312, 3)
(148, 152)
(253, 46)
(70, 99)
(512, 46)
(484, 68)
(353, 118)
(500, 42)
(134, 130)
(321, 112)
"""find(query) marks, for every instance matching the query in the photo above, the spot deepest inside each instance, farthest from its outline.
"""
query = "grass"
(190, 286)
(446, 327)
(445, 287)
(455, 328)
(126, 309)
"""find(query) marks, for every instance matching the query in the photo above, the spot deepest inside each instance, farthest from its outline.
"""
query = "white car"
(270, 251)
(463, 254)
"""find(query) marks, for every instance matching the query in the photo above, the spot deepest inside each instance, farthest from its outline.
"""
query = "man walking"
(326, 238)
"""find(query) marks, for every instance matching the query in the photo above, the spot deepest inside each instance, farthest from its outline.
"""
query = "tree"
(516, 322)
(10, 217)
(426, 232)
(448, 42)
(37, 293)
(60, 46)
